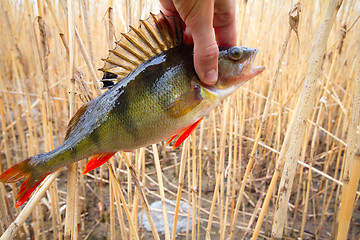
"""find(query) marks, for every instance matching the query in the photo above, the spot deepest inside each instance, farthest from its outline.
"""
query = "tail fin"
(19, 171)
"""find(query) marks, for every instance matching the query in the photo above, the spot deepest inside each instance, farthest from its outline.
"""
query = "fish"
(152, 93)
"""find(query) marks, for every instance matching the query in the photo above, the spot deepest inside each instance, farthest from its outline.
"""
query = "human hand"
(209, 23)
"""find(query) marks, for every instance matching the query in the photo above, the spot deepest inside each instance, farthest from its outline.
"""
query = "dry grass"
(301, 116)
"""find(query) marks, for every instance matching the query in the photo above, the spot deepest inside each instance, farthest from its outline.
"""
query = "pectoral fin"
(185, 134)
(97, 161)
(185, 103)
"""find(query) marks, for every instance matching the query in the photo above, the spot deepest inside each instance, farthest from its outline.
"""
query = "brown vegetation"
(278, 159)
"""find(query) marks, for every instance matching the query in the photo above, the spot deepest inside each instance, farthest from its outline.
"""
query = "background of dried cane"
(300, 115)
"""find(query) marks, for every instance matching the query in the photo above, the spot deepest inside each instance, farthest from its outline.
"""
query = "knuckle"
(210, 52)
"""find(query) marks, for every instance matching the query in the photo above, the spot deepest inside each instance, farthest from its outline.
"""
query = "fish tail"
(19, 171)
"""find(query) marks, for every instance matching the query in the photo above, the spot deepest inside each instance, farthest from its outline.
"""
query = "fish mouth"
(250, 70)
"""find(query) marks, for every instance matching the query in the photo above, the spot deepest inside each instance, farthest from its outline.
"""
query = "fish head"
(236, 66)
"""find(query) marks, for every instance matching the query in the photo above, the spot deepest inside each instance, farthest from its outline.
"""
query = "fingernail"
(211, 77)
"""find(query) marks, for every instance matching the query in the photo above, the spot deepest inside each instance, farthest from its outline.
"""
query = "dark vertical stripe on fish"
(122, 111)
(95, 137)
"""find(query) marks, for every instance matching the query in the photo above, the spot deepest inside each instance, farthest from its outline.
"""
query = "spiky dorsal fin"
(154, 35)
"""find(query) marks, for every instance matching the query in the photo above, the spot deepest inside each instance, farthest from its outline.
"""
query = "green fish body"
(159, 98)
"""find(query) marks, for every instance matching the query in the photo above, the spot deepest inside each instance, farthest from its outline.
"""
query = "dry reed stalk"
(8, 156)
(35, 212)
(142, 195)
(219, 172)
(111, 30)
(228, 173)
(307, 188)
(242, 188)
(201, 135)
(129, 182)
(253, 98)
(194, 187)
(112, 211)
(161, 190)
(235, 159)
(352, 159)
(180, 187)
(293, 24)
(29, 207)
(4, 216)
(82, 48)
(119, 195)
(44, 52)
(189, 187)
(139, 168)
(305, 103)
(118, 203)
(87, 23)
(70, 218)
(314, 142)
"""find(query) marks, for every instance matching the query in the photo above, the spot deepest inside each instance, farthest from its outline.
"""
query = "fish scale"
(153, 94)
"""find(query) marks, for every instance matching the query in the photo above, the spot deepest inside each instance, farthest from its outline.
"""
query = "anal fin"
(185, 134)
(97, 161)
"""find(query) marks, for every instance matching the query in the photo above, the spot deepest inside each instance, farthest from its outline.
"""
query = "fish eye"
(235, 53)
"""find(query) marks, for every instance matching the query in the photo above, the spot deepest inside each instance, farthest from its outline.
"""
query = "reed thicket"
(278, 159)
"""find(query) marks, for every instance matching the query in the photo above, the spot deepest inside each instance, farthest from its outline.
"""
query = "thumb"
(206, 54)
(206, 50)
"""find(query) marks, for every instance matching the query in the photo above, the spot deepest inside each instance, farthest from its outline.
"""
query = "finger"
(167, 6)
(206, 52)
(224, 22)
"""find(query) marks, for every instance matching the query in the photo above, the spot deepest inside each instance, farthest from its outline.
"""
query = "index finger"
(224, 22)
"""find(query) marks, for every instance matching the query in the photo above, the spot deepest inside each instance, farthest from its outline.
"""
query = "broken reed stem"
(305, 103)
(352, 174)
(328, 177)
(161, 190)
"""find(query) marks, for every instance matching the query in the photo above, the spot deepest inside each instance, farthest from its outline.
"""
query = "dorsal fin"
(154, 35)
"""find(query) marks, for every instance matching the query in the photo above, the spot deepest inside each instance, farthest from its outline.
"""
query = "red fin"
(19, 171)
(16, 172)
(170, 139)
(186, 133)
(27, 187)
(97, 161)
